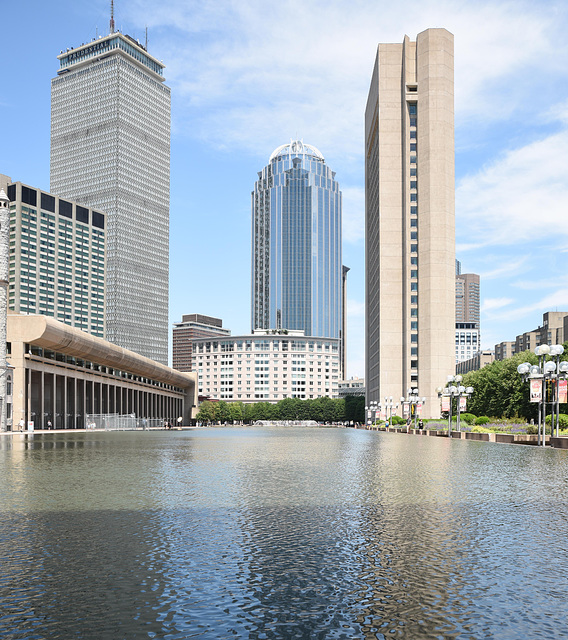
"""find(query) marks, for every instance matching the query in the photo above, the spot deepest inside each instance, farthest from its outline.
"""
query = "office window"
(29, 196)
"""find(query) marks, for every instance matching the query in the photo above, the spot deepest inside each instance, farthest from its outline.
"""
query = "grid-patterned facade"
(467, 341)
(110, 149)
(192, 327)
(468, 298)
(410, 218)
(296, 240)
(267, 366)
(57, 259)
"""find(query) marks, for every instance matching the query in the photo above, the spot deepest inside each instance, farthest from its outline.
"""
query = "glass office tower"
(110, 149)
(296, 244)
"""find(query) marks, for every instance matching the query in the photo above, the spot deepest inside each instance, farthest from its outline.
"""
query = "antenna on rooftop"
(112, 16)
(146, 42)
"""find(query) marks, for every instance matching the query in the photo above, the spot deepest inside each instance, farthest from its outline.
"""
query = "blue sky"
(248, 76)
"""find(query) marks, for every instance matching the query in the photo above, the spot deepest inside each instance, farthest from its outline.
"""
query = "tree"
(206, 412)
(355, 408)
(237, 411)
(223, 412)
(288, 409)
(500, 392)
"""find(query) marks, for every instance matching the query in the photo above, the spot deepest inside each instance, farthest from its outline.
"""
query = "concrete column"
(4, 278)
(40, 424)
(64, 413)
(53, 403)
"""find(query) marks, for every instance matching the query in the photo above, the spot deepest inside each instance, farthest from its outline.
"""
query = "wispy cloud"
(259, 77)
(247, 77)
(495, 303)
(520, 197)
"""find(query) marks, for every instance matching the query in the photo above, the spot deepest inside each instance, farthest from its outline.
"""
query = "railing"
(118, 422)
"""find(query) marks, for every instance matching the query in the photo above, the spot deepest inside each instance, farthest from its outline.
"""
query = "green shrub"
(532, 429)
(398, 420)
(482, 420)
(480, 429)
(562, 420)
(468, 417)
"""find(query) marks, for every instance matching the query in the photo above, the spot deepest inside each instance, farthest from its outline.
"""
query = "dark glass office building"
(296, 244)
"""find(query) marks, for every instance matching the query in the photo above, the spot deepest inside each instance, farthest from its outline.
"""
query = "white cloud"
(489, 304)
(507, 266)
(519, 198)
(247, 77)
(253, 77)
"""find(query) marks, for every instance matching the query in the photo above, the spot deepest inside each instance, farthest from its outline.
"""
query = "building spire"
(112, 16)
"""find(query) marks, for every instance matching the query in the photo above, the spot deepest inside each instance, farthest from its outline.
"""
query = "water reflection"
(277, 533)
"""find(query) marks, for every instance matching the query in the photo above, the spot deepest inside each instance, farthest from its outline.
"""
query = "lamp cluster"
(454, 389)
(545, 380)
(389, 407)
(414, 402)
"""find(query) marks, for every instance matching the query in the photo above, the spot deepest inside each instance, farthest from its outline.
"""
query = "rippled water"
(281, 533)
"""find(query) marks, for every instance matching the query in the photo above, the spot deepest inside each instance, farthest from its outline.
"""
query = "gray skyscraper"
(110, 149)
(296, 235)
(410, 237)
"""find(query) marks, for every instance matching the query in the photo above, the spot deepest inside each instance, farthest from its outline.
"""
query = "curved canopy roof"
(51, 334)
(296, 147)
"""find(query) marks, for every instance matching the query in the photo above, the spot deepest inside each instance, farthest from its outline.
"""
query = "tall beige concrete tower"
(410, 219)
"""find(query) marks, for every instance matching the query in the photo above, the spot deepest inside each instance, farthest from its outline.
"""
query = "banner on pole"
(445, 403)
(419, 409)
(563, 391)
(463, 403)
(405, 410)
(536, 390)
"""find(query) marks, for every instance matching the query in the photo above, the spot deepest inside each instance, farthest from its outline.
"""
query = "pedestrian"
(420, 424)
(49, 425)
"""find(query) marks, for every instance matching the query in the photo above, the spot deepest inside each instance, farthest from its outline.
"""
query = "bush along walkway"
(466, 433)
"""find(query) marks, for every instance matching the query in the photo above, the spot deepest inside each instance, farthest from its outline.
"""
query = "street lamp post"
(552, 370)
(414, 402)
(389, 406)
(457, 392)
(371, 410)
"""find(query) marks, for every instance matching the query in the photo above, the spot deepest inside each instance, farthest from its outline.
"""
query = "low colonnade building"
(61, 374)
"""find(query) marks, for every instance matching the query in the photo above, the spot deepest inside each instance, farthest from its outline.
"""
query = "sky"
(247, 76)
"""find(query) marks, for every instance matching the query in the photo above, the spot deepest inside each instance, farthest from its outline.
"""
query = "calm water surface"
(281, 533)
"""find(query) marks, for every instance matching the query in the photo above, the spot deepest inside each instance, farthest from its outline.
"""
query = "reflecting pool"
(281, 533)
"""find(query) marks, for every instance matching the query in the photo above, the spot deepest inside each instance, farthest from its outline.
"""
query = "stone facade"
(267, 366)
(410, 220)
(61, 374)
(110, 150)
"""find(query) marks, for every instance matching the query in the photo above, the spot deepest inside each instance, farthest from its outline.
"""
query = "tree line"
(500, 392)
(351, 408)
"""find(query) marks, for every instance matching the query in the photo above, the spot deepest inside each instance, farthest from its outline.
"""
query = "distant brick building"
(192, 327)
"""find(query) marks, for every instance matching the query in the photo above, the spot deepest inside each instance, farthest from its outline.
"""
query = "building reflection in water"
(280, 533)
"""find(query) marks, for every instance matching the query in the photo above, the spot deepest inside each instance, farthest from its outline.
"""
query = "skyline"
(243, 83)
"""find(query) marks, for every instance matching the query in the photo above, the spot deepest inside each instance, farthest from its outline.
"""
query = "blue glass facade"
(296, 244)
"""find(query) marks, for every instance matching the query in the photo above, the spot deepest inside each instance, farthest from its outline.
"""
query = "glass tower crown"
(296, 240)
